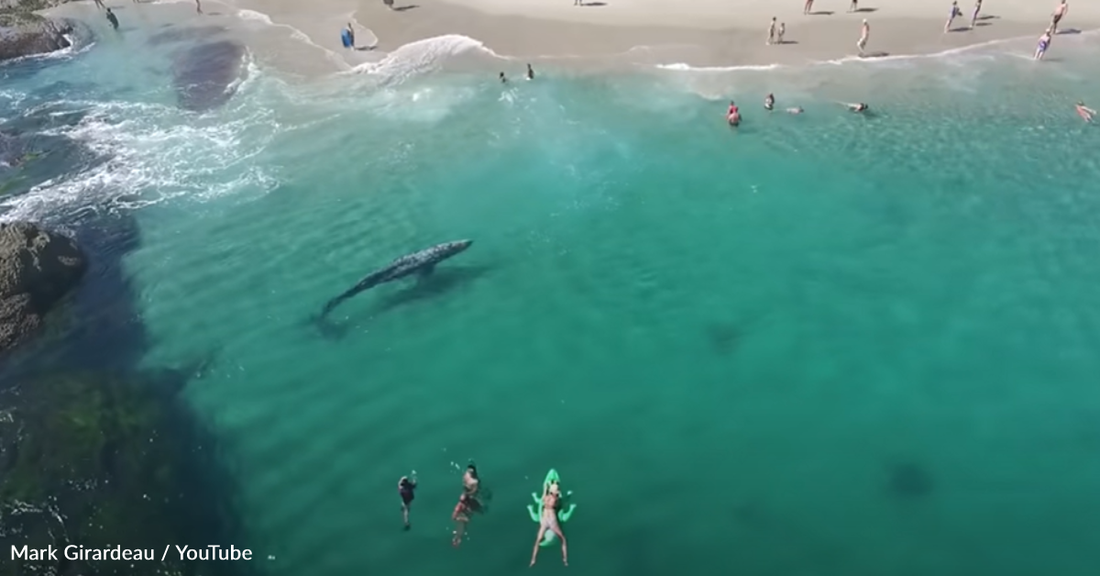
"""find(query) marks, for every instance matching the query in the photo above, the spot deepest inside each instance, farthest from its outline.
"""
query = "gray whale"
(422, 263)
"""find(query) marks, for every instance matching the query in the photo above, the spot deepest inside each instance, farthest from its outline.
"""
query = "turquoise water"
(825, 344)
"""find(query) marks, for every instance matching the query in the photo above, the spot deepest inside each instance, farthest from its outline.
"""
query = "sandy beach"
(707, 33)
(305, 40)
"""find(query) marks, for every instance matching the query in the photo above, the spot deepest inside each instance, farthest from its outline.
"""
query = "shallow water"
(823, 344)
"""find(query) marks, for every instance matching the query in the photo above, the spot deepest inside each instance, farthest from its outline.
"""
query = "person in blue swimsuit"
(1044, 43)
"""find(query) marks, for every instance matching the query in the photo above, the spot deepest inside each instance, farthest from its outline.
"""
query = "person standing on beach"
(864, 34)
(351, 36)
(1044, 44)
(974, 17)
(854, 6)
(771, 31)
(955, 12)
(198, 6)
(779, 34)
(406, 488)
(1059, 13)
(808, 6)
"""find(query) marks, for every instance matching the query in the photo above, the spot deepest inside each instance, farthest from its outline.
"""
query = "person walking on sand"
(406, 488)
(99, 4)
(198, 6)
(1044, 44)
(779, 34)
(864, 34)
(854, 6)
(974, 16)
(955, 13)
(771, 31)
(1085, 112)
(1059, 13)
(351, 36)
(808, 6)
(112, 19)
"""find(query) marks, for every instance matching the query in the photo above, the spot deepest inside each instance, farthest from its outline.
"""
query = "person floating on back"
(112, 19)
(551, 501)
(406, 488)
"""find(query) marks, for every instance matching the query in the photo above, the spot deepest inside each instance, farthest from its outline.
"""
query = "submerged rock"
(98, 460)
(37, 269)
(27, 34)
(204, 75)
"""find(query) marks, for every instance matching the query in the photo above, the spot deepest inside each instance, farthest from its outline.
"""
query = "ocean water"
(825, 344)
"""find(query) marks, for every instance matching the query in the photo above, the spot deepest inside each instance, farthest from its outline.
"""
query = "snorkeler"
(1044, 43)
(551, 500)
(1085, 112)
(406, 488)
(769, 102)
(858, 107)
(461, 516)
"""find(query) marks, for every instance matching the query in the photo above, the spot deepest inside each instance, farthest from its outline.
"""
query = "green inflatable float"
(564, 513)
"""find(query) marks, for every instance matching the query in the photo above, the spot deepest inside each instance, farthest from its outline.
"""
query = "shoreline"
(305, 42)
(524, 29)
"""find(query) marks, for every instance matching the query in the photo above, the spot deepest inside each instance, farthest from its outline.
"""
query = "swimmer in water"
(769, 102)
(858, 107)
(733, 115)
(461, 516)
(112, 19)
(406, 488)
(1085, 112)
(530, 73)
(551, 501)
(795, 110)
(503, 80)
(1044, 43)
(471, 487)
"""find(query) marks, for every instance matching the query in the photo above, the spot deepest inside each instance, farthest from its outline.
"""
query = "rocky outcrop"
(37, 269)
(23, 33)
(101, 460)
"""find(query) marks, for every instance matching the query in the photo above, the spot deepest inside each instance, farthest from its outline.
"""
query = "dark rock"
(37, 269)
(98, 460)
(204, 75)
(27, 34)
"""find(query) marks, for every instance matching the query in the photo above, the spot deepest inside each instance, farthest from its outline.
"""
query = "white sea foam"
(422, 57)
(156, 152)
(296, 34)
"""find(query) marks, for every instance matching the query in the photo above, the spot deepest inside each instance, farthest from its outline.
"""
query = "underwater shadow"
(441, 282)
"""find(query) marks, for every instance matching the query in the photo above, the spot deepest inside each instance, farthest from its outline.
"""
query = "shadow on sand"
(406, 7)
(822, 13)
(865, 10)
(593, 3)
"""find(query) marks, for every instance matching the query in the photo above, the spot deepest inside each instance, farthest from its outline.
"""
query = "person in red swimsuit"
(461, 516)
(733, 115)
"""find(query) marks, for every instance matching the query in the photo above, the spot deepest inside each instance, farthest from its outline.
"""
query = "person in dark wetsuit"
(112, 19)
(769, 102)
(406, 488)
